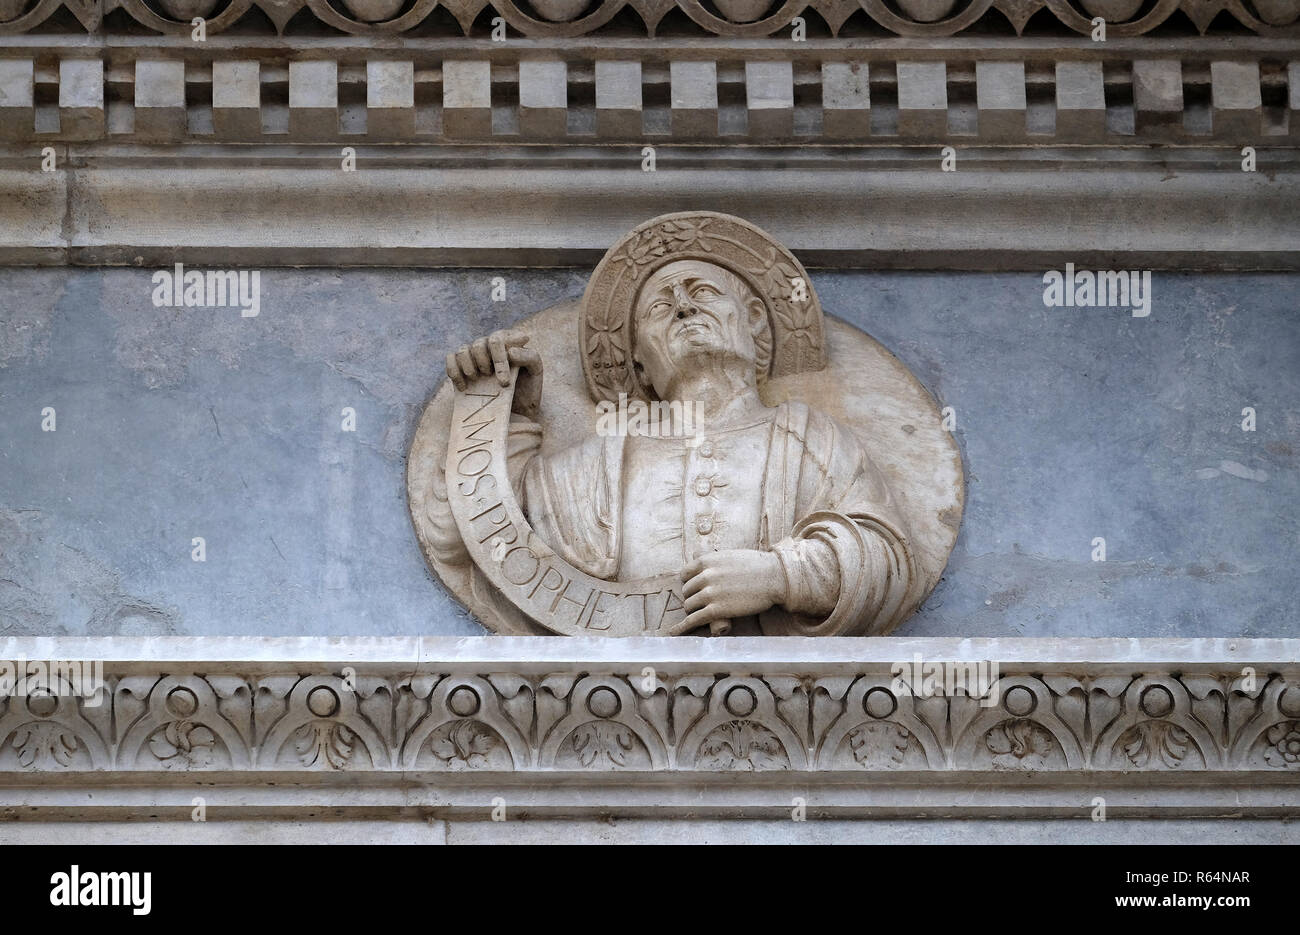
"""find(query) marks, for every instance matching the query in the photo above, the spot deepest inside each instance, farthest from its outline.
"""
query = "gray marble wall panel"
(1075, 423)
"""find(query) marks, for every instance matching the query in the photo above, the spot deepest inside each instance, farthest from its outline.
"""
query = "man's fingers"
(525, 357)
(693, 584)
(680, 629)
(465, 361)
(494, 354)
(453, 372)
(693, 569)
(698, 600)
(500, 360)
(700, 618)
(479, 351)
(686, 626)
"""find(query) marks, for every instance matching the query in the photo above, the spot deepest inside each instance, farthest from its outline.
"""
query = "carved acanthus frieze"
(501, 721)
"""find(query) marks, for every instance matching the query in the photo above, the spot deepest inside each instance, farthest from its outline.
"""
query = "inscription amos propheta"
(514, 558)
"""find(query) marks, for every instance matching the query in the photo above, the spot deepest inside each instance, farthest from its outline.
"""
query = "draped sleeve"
(849, 566)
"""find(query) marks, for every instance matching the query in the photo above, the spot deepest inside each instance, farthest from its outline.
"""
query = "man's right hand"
(496, 354)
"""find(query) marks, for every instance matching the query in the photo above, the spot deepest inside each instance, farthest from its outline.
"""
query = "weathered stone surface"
(922, 99)
(883, 728)
(466, 98)
(543, 99)
(1158, 97)
(1080, 100)
(160, 112)
(553, 101)
(81, 98)
(32, 208)
(769, 99)
(237, 99)
(694, 87)
(922, 19)
(846, 100)
(1237, 102)
(542, 214)
(1293, 99)
(1081, 425)
(17, 100)
(618, 98)
(390, 98)
(314, 99)
(1000, 97)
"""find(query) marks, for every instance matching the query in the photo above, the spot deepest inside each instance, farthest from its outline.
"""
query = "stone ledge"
(1002, 209)
(114, 796)
(607, 829)
(542, 654)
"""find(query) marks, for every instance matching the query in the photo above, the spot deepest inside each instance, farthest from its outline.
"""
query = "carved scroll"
(530, 574)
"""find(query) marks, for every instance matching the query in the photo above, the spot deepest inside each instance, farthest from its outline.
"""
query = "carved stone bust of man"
(772, 518)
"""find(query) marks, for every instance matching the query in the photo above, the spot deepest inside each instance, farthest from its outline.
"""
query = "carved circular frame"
(862, 386)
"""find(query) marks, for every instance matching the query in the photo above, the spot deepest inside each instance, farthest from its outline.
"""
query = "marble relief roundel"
(694, 447)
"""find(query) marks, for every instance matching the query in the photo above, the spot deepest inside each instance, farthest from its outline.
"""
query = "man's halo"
(776, 277)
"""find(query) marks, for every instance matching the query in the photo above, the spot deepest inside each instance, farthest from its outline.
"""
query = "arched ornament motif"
(145, 14)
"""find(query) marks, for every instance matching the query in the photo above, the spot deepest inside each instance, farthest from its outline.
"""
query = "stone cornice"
(1177, 208)
(565, 728)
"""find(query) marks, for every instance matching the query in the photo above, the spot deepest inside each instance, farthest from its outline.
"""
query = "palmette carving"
(1020, 731)
(1158, 730)
(706, 721)
(602, 729)
(879, 729)
(182, 729)
(46, 730)
(466, 727)
(323, 728)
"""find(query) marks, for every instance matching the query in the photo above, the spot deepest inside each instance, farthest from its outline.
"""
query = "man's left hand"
(730, 583)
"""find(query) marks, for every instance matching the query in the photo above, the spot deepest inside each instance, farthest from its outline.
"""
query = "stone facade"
(934, 135)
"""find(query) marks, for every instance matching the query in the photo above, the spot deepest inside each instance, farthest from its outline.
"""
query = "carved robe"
(795, 483)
